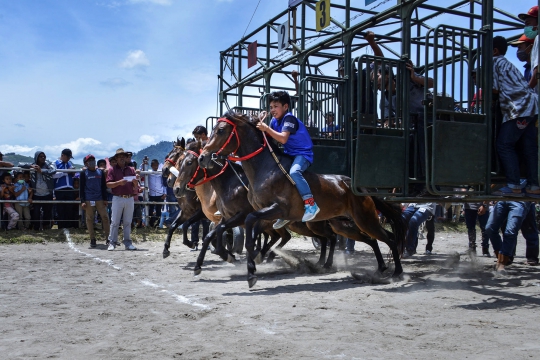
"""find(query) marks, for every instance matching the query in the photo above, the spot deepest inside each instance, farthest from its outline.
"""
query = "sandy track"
(69, 301)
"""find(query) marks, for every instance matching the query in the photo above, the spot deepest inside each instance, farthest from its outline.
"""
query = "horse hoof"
(252, 281)
(230, 258)
(258, 259)
(327, 266)
(166, 253)
(197, 271)
(397, 275)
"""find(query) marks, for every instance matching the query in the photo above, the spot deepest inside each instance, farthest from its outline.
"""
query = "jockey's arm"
(281, 137)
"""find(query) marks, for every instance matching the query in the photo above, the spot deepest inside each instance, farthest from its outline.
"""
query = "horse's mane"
(252, 121)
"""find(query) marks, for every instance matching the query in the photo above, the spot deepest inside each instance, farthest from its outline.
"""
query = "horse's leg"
(286, 236)
(236, 220)
(196, 217)
(323, 232)
(211, 235)
(274, 237)
(364, 215)
(269, 213)
(176, 223)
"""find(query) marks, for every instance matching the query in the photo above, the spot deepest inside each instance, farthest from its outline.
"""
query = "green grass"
(77, 236)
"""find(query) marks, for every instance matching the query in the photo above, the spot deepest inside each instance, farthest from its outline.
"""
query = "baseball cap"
(521, 40)
(88, 157)
(68, 153)
(533, 12)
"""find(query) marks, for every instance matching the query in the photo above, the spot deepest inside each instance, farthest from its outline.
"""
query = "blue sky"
(95, 75)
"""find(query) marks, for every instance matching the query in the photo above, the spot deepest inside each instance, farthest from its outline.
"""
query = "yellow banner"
(323, 14)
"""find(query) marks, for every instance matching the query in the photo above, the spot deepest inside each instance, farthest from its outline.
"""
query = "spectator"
(331, 127)
(200, 133)
(524, 46)
(64, 191)
(480, 212)
(7, 194)
(122, 179)
(42, 182)
(4, 164)
(512, 215)
(415, 215)
(157, 192)
(94, 197)
(519, 106)
(23, 192)
(137, 193)
(530, 20)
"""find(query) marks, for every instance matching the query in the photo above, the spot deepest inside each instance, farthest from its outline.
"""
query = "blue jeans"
(414, 217)
(510, 136)
(514, 212)
(470, 220)
(349, 244)
(299, 165)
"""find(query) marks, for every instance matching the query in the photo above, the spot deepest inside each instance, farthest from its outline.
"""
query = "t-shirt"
(93, 185)
(516, 98)
(117, 173)
(416, 96)
(299, 142)
(24, 195)
(41, 186)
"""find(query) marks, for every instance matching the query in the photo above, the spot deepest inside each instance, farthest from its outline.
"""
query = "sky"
(96, 75)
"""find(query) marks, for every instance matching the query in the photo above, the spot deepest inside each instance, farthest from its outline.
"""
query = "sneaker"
(349, 252)
(428, 252)
(532, 262)
(93, 243)
(485, 251)
(280, 223)
(111, 247)
(506, 191)
(130, 247)
(311, 212)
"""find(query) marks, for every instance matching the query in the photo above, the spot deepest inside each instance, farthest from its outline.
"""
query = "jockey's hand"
(262, 116)
(262, 126)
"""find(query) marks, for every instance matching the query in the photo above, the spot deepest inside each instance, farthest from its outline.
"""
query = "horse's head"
(225, 137)
(178, 147)
(189, 172)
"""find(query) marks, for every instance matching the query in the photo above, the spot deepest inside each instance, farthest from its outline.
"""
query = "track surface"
(65, 300)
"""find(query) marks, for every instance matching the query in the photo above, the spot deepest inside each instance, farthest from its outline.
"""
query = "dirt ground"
(66, 300)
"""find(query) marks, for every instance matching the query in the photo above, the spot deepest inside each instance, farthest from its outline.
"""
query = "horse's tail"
(392, 213)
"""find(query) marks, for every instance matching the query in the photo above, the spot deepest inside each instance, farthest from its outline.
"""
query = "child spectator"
(7, 194)
(22, 192)
(519, 106)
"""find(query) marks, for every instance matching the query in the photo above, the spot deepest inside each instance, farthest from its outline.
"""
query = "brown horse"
(275, 197)
(190, 207)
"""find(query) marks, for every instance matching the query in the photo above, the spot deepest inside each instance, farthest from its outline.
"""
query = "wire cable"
(251, 18)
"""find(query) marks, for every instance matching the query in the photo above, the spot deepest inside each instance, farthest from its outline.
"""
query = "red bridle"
(170, 161)
(234, 132)
(205, 179)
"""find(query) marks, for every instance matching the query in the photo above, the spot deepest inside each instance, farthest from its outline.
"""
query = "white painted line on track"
(180, 298)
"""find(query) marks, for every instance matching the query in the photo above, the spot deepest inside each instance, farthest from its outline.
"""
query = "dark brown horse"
(230, 186)
(275, 197)
(190, 207)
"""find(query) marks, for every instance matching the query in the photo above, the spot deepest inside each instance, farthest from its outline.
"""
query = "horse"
(228, 182)
(274, 196)
(190, 207)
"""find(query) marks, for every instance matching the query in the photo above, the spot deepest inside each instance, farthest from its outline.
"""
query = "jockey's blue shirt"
(299, 142)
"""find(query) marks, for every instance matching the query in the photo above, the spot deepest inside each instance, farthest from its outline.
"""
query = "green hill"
(16, 158)
(156, 151)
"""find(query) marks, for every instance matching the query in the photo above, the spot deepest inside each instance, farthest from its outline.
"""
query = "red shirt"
(116, 174)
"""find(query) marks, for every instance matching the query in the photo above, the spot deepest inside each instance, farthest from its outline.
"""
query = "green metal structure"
(385, 156)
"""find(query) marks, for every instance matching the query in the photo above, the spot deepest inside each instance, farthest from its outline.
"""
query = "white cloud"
(135, 59)
(115, 83)
(18, 149)
(156, 2)
(147, 139)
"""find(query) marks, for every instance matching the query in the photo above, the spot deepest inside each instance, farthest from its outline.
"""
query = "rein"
(205, 179)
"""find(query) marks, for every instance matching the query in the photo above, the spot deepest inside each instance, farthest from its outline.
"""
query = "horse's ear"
(182, 142)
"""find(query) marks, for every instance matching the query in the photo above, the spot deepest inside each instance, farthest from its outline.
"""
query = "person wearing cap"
(331, 127)
(94, 197)
(122, 180)
(64, 191)
(516, 141)
(524, 47)
(530, 20)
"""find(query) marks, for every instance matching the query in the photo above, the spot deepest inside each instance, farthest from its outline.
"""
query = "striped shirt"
(516, 98)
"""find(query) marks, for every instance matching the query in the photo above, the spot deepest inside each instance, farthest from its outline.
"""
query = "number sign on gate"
(323, 14)
(283, 36)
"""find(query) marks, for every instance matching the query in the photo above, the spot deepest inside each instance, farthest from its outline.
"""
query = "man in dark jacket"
(93, 194)
(42, 183)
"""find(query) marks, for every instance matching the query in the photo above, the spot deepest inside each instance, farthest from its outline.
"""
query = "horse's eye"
(220, 131)
(190, 162)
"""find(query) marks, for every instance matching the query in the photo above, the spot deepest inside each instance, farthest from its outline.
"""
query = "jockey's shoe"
(311, 212)
(280, 223)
